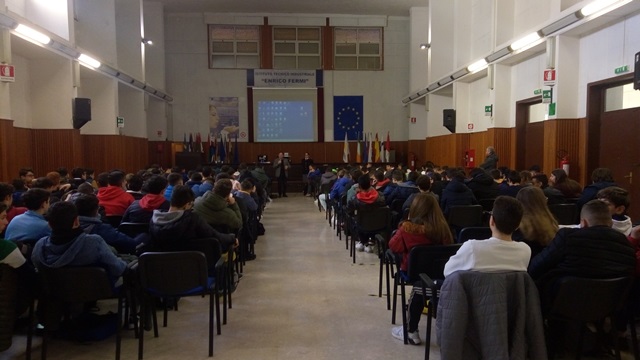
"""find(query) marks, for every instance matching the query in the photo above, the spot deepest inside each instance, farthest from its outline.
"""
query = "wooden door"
(620, 152)
(529, 136)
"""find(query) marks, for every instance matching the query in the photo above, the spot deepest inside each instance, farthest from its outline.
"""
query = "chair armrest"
(426, 280)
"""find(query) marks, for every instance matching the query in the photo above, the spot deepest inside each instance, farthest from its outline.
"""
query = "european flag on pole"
(347, 117)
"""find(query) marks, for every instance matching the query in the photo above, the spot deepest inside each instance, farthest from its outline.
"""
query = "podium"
(188, 160)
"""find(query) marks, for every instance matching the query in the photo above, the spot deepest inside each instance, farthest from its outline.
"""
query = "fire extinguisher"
(564, 161)
(412, 161)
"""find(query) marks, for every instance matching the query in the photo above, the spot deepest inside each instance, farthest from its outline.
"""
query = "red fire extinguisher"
(564, 161)
(412, 161)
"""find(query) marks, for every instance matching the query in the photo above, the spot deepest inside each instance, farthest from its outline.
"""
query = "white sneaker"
(359, 247)
(367, 248)
(371, 249)
(413, 337)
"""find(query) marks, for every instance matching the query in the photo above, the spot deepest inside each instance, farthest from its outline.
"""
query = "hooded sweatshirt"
(171, 231)
(123, 243)
(368, 198)
(483, 186)
(456, 193)
(216, 211)
(327, 177)
(140, 211)
(75, 248)
(114, 200)
(623, 224)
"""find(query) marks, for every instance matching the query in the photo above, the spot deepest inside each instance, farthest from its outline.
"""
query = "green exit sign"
(621, 70)
(537, 92)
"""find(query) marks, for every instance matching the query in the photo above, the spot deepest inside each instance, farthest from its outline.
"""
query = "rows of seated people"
(59, 221)
(602, 243)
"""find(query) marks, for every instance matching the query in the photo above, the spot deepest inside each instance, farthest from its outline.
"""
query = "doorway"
(529, 133)
(614, 126)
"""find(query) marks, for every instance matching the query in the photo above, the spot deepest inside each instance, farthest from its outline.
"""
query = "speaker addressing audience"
(282, 165)
(491, 159)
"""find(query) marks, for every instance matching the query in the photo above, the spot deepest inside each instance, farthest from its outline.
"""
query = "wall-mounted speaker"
(636, 78)
(81, 112)
(449, 119)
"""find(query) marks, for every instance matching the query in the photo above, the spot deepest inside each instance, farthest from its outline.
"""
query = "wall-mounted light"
(32, 34)
(596, 6)
(89, 61)
(424, 46)
(525, 41)
(147, 41)
(477, 66)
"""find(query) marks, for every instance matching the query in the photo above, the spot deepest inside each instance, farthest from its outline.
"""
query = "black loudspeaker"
(636, 78)
(81, 112)
(449, 119)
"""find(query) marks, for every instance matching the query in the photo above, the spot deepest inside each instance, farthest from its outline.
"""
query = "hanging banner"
(284, 78)
(224, 115)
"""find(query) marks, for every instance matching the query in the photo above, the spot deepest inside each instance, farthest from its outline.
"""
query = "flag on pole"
(185, 144)
(222, 153)
(345, 150)
(236, 157)
(358, 155)
(370, 149)
(190, 142)
(387, 148)
(382, 156)
(365, 159)
(212, 150)
(376, 149)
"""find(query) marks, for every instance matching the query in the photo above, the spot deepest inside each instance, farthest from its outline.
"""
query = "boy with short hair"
(617, 199)
(31, 225)
(499, 252)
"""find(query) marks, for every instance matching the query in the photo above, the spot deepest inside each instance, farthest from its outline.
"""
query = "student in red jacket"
(113, 197)
(426, 226)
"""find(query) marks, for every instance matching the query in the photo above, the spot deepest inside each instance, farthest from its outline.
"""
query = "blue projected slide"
(285, 121)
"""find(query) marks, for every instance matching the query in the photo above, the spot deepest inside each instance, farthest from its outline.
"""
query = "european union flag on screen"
(347, 117)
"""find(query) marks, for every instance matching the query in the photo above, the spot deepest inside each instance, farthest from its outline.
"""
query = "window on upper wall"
(357, 48)
(234, 47)
(297, 48)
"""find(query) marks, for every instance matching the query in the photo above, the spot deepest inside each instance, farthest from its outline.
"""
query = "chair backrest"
(210, 247)
(566, 214)
(430, 260)
(76, 284)
(473, 233)
(373, 219)
(113, 220)
(462, 216)
(8, 286)
(396, 205)
(133, 229)
(172, 273)
(487, 204)
(587, 300)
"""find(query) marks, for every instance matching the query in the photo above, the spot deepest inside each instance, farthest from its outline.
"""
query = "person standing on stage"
(305, 171)
(282, 166)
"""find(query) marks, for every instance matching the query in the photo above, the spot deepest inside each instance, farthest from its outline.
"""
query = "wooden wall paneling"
(160, 153)
(53, 148)
(462, 145)
(583, 152)
(503, 140)
(20, 151)
(551, 146)
(569, 141)
(115, 152)
(6, 126)
(478, 142)
(441, 150)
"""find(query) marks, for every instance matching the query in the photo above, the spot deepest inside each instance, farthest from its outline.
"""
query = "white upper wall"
(96, 29)
(129, 37)
(154, 61)
(51, 15)
(192, 83)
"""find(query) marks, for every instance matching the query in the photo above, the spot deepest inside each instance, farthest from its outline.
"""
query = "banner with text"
(284, 78)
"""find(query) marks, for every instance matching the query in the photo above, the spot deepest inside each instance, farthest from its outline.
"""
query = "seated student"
(538, 226)
(31, 225)
(351, 193)
(380, 182)
(594, 250)
(173, 229)
(248, 208)
(404, 189)
(6, 197)
(424, 186)
(19, 189)
(78, 177)
(397, 177)
(68, 245)
(313, 180)
(499, 252)
(47, 184)
(569, 188)
(84, 188)
(617, 200)
(426, 226)
(27, 176)
(11, 255)
(113, 197)
(134, 183)
(482, 184)
(195, 179)
(513, 182)
(601, 178)
(336, 189)
(140, 211)
(60, 185)
(366, 197)
(174, 179)
(87, 207)
(456, 192)
(207, 182)
(218, 208)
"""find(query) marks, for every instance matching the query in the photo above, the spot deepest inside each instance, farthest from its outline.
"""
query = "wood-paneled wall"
(106, 152)
(450, 149)
(567, 136)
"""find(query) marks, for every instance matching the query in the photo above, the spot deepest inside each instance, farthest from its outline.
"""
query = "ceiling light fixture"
(424, 46)
(147, 41)
(596, 6)
(32, 34)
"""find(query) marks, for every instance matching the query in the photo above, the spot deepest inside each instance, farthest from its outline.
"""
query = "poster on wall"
(224, 116)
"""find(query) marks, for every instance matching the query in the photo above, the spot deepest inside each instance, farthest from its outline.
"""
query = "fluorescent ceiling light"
(147, 41)
(89, 61)
(477, 66)
(498, 54)
(33, 34)
(527, 40)
(596, 6)
(424, 46)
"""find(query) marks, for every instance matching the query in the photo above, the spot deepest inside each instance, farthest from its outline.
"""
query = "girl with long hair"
(426, 226)
(538, 226)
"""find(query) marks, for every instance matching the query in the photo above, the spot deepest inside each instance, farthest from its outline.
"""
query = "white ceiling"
(352, 7)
